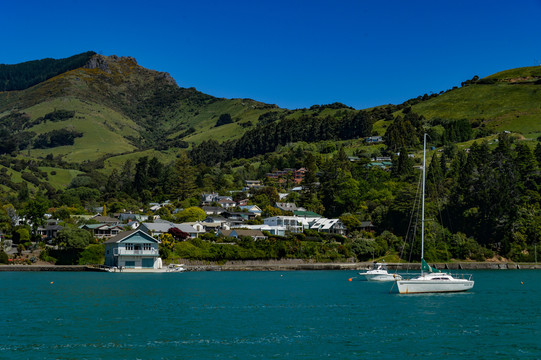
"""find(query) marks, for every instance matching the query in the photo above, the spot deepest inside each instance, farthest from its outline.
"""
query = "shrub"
(3, 257)
(93, 254)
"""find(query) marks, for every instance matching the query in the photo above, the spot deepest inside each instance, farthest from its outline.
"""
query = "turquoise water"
(264, 315)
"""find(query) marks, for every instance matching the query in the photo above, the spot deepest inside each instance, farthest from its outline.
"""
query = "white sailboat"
(432, 280)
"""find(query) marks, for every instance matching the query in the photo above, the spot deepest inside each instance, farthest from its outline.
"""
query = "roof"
(324, 223)
(253, 208)
(306, 214)
(215, 209)
(246, 232)
(125, 235)
(105, 219)
(164, 227)
(226, 233)
(286, 206)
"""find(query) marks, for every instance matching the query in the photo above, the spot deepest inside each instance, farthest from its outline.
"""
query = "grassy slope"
(103, 129)
(241, 110)
(523, 72)
(116, 162)
(501, 106)
(62, 178)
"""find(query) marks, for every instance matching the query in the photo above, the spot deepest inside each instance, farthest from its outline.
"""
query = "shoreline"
(290, 266)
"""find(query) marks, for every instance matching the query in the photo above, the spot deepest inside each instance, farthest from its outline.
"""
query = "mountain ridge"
(136, 109)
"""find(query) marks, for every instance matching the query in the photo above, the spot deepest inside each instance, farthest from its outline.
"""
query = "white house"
(291, 223)
(252, 208)
(132, 249)
(332, 226)
(273, 230)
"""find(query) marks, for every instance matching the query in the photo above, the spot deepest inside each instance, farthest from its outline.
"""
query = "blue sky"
(291, 53)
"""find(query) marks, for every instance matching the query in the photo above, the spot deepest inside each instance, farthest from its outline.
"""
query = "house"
(103, 230)
(236, 233)
(286, 206)
(133, 224)
(132, 217)
(252, 208)
(331, 226)
(208, 198)
(213, 210)
(237, 216)
(105, 219)
(224, 232)
(291, 223)
(273, 230)
(254, 234)
(48, 232)
(283, 176)
(374, 139)
(227, 203)
(306, 214)
(252, 184)
(133, 249)
(367, 226)
(157, 228)
(198, 226)
(157, 206)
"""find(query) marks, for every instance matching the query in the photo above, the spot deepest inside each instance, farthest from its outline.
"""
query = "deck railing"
(117, 252)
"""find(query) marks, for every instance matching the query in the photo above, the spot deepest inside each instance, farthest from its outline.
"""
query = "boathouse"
(133, 249)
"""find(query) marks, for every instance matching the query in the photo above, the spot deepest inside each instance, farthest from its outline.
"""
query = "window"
(147, 246)
(129, 246)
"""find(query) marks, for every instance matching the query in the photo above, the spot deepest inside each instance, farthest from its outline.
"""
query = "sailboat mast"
(423, 201)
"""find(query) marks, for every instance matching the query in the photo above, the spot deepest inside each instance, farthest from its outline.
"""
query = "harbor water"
(264, 315)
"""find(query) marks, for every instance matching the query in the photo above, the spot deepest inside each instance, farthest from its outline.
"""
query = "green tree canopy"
(73, 238)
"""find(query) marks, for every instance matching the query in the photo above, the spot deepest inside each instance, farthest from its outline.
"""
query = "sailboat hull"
(415, 286)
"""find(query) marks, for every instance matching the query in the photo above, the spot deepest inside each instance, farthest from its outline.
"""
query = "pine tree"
(184, 175)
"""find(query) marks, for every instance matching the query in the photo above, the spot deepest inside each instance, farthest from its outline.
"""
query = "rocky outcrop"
(114, 63)
(98, 62)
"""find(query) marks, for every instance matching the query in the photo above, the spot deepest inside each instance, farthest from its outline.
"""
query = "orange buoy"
(350, 279)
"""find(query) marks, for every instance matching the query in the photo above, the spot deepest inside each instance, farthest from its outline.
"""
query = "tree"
(34, 212)
(184, 175)
(224, 119)
(140, 179)
(93, 254)
(403, 166)
(191, 214)
(73, 238)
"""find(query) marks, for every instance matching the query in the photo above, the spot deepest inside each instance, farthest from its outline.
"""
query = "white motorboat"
(379, 272)
(175, 268)
(432, 280)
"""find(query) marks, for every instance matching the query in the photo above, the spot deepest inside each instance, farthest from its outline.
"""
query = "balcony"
(150, 252)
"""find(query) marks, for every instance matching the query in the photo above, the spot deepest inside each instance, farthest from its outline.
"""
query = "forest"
(24, 75)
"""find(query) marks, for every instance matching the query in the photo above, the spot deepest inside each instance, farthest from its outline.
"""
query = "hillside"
(117, 110)
(506, 101)
(120, 107)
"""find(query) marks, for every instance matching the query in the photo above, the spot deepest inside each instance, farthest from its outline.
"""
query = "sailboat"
(432, 280)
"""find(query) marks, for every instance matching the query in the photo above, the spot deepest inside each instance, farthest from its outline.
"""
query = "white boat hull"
(421, 285)
(380, 277)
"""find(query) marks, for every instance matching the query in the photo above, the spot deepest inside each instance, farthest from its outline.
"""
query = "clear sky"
(293, 53)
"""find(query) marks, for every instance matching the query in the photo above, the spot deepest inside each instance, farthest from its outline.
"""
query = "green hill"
(508, 100)
(109, 109)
